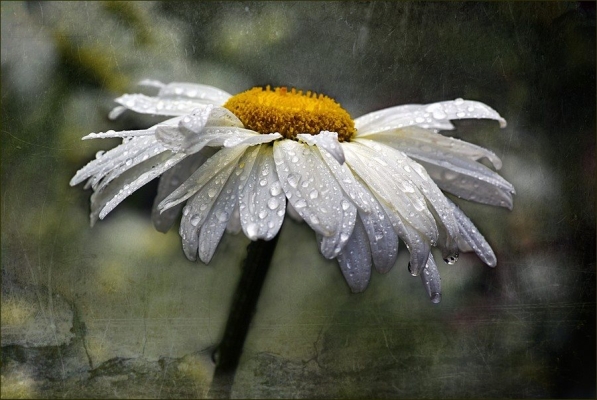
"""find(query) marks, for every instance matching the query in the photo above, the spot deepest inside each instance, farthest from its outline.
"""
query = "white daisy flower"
(247, 161)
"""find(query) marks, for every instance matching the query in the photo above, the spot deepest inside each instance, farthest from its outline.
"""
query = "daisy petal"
(169, 181)
(199, 93)
(197, 209)
(217, 220)
(224, 159)
(116, 112)
(355, 260)
(155, 105)
(347, 181)
(234, 227)
(315, 194)
(432, 116)
(99, 181)
(99, 198)
(262, 202)
(382, 237)
(418, 246)
(415, 141)
(194, 122)
(250, 139)
(470, 180)
(325, 140)
(147, 176)
(223, 118)
(473, 238)
(432, 280)
(393, 182)
(109, 160)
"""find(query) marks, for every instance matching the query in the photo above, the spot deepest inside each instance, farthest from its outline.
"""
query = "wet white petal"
(159, 106)
(432, 116)
(416, 141)
(194, 122)
(99, 198)
(212, 230)
(109, 160)
(223, 118)
(140, 181)
(325, 140)
(169, 181)
(383, 239)
(315, 194)
(99, 180)
(391, 182)
(473, 238)
(116, 112)
(247, 138)
(224, 159)
(234, 227)
(431, 280)
(355, 191)
(355, 259)
(262, 202)
(196, 92)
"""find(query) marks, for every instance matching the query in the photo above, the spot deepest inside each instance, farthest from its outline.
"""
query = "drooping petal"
(147, 176)
(234, 226)
(99, 181)
(471, 236)
(432, 116)
(383, 240)
(212, 230)
(315, 194)
(99, 198)
(109, 160)
(432, 280)
(355, 259)
(224, 159)
(327, 141)
(262, 203)
(169, 181)
(390, 181)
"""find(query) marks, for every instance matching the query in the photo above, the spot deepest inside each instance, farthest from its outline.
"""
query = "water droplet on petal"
(275, 189)
(345, 204)
(293, 180)
(436, 298)
(262, 214)
(195, 220)
(314, 193)
(273, 203)
(211, 192)
(300, 204)
(451, 259)
(222, 215)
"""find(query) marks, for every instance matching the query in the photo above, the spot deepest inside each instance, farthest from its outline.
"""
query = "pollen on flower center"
(290, 112)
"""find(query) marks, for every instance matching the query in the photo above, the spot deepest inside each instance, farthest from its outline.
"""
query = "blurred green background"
(117, 311)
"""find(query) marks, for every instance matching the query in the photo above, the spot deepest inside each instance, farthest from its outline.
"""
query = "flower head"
(244, 162)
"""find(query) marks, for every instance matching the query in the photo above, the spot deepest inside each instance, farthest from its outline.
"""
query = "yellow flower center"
(290, 112)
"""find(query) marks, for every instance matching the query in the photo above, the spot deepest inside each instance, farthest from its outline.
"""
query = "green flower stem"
(259, 256)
